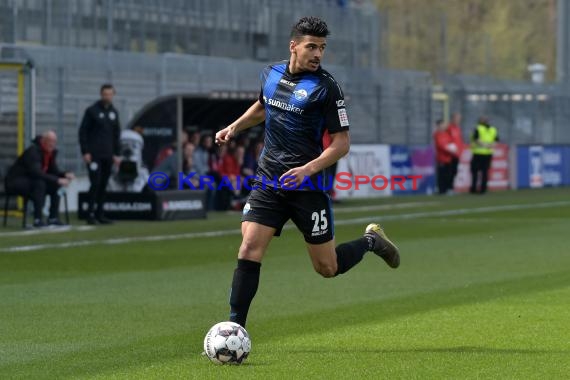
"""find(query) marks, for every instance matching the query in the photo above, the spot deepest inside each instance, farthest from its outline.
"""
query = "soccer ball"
(227, 343)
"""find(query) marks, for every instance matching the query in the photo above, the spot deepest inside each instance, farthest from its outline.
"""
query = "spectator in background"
(239, 155)
(188, 158)
(445, 150)
(239, 193)
(170, 166)
(251, 158)
(99, 136)
(483, 141)
(215, 164)
(36, 174)
(454, 129)
(232, 144)
(188, 163)
(194, 138)
(232, 161)
(215, 161)
(169, 149)
(202, 155)
(243, 140)
(230, 169)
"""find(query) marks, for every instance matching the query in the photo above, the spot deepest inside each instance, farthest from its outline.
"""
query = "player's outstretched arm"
(340, 145)
(253, 116)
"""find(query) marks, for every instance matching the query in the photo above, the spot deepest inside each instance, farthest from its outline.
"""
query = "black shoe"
(38, 223)
(383, 247)
(55, 222)
(103, 220)
(91, 220)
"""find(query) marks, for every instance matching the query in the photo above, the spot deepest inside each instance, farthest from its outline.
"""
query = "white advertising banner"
(364, 172)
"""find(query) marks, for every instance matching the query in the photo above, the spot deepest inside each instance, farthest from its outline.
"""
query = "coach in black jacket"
(99, 140)
(35, 174)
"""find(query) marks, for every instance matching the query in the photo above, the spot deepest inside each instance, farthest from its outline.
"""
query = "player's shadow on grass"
(432, 350)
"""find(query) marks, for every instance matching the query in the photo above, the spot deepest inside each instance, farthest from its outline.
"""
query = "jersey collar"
(300, 74)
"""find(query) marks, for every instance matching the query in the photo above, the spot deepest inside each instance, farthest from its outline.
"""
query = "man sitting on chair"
(35, 174)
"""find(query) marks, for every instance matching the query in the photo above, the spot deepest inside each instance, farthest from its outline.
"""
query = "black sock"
(349, 254)
(244, 287)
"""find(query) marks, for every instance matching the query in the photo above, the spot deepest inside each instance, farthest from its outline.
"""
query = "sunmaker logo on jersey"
(282, 105)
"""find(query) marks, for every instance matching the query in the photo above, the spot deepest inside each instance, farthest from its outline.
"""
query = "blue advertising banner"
(552, 170)
(413, 161)
(566, 166)
(543, 166)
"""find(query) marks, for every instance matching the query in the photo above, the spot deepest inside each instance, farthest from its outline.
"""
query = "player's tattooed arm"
(340, 145)
(252, 117)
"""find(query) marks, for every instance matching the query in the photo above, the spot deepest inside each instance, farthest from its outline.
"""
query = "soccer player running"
(298, 102)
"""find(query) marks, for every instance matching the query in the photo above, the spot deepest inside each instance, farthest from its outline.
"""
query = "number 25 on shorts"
(320, 221)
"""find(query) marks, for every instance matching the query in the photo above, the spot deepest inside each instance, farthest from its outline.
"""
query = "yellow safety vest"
(486, 135)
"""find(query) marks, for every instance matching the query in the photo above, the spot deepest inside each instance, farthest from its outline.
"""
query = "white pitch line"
(397, 206)
(125, 240)
(194, 235)
(460, 211)
(46, 230)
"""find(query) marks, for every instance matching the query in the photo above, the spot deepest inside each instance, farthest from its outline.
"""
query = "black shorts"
(311, 212)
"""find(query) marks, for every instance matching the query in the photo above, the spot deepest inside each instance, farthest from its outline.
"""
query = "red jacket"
(441, 139)
(455, 132)
(230, 166)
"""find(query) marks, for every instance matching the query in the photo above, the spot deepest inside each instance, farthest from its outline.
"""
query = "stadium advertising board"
(163, 205)
(414, 160)
(498, 173)
(542, 166)
(365, 160)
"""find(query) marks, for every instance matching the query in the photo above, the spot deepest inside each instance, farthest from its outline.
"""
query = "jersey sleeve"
(336, 118)
(261, 100)
(262, 78)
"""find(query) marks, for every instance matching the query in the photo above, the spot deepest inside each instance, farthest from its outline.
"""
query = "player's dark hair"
(309, 26)
(107, 86)
(438, 122)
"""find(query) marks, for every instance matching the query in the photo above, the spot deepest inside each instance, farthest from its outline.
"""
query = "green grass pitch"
(483, 292)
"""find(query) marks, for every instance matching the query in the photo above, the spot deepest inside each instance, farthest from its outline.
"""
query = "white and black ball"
(227, 343)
